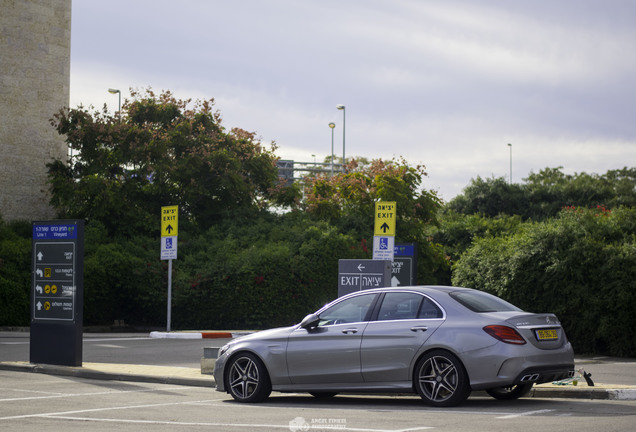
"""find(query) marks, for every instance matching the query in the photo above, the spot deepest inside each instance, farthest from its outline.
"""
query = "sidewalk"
(120, 372)
(194, 377)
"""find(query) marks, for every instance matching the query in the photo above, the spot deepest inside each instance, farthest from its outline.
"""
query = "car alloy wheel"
(441, 380)
(247, 379)
(510, 392)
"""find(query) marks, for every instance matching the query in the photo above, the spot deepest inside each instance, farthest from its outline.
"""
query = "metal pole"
(169, 294)
(510, 145)
(332, 126)
(344, 125)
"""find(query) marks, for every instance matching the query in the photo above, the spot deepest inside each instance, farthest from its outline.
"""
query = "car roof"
(419, 288)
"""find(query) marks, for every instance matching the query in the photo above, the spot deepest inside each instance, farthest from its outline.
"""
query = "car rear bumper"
(540, 375)
(526, 366)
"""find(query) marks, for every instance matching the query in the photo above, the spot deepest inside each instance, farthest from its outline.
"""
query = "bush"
(15, 273)
(580, 265)
(257, 276)
(123, 279)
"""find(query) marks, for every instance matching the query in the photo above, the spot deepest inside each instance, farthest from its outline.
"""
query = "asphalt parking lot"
(173, 394)
(49, 403)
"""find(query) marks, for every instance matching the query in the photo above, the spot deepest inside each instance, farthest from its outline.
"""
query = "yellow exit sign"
(169, 221)
(384, 218)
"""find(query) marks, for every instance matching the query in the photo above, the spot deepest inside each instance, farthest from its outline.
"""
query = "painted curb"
(191, 335)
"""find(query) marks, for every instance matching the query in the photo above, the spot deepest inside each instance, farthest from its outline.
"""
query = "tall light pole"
(510, 145)
(342, 107)
(116, 91)
(332, 126)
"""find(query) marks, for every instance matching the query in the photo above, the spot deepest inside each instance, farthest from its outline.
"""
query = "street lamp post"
(342, 107)
(116, 91)
(332, 126)
(510, 145)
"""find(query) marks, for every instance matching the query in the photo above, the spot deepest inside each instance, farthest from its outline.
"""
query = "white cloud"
(447, 83)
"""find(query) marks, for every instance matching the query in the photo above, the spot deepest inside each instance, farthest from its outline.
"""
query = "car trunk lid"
(541, 330)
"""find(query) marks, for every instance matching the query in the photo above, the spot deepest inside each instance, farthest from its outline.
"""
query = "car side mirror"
(310, 321)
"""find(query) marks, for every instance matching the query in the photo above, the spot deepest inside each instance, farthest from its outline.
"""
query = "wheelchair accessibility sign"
(383, 247)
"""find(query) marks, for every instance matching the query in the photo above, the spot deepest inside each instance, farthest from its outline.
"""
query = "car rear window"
(481, 302)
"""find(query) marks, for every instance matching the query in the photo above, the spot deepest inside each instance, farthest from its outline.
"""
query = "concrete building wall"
(35, 50)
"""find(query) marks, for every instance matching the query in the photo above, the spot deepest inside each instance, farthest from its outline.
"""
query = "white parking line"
(68, 415)
(63, 395)
(232, 425)
(527, 413)
(65, 413)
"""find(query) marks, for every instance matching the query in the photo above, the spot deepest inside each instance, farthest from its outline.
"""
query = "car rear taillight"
(505, 334)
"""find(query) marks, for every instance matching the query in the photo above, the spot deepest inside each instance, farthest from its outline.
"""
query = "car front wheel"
(510, 392)
(247, 379)
(441, 380)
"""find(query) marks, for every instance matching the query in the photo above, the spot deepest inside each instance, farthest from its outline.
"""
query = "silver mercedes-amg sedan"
(437, 341)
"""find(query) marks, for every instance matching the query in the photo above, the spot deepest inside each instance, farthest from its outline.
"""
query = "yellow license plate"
(547, 334)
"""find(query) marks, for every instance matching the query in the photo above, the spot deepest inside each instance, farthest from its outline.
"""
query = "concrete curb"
(195, 335)
(603, 392)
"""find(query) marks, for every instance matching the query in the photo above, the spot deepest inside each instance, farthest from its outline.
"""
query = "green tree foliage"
(347, 200)
(580, 265)
(490, 197)
(15, 273)
(159, 151)
(544, 193)
(457, 231)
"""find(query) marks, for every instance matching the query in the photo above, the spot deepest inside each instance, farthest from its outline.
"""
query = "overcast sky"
(443, 83)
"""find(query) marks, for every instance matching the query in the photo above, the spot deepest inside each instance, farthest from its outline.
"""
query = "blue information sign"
(48, 231)
(57, 294)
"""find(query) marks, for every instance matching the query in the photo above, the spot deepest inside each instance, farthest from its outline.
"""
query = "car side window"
(350, 310)
(400, 306)
(429, 310)
(403, 306)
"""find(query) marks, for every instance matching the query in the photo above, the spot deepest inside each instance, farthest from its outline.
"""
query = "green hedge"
(254, 278)
(123, 279)
(580, 265)
(272, 270)
(15, 273)
(268, 272)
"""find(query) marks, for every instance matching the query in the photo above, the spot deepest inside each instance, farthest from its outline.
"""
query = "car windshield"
(481, 302)
(350, 310)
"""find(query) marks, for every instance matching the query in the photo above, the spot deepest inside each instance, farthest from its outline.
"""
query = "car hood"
(271, 334)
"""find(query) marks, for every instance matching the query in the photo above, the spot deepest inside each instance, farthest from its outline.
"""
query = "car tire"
(510, 392)
(323, 395)
(441, 379)
(247, 379)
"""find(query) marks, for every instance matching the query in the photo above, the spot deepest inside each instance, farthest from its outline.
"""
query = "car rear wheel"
(441, 380)
(247, 379)
(510, 392)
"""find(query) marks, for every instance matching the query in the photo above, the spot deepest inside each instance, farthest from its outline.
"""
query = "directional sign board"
(169, 232)
(404, 265)
(356, 275)
(170, 221)
(384, 218)
(54, 279)
(384, 230)
(57, 292)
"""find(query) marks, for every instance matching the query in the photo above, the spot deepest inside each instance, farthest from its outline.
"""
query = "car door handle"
(419, 328)
(350, 330)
